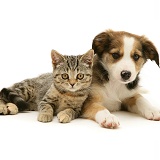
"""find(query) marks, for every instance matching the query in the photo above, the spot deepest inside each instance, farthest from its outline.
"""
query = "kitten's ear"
(88, 57)
(57, 58)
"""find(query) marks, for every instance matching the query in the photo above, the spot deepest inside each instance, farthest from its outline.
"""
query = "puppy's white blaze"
(127, 63)
(128, 46)
(101, 116)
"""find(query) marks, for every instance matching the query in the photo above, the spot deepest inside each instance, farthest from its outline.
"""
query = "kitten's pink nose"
(72, 85)
(72, 82)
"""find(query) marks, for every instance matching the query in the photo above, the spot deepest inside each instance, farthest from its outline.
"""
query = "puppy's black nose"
(125, 74)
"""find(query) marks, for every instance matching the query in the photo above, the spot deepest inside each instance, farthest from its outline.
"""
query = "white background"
(29, 29)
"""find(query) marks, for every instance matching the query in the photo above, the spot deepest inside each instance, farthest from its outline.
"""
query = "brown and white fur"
(119, 59)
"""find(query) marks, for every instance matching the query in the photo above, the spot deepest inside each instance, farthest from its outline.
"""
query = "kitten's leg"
(45, 112)
(14, 96)
(67, 115)
(20, 94)
(3, 107)
(12, 108)
(8, 108)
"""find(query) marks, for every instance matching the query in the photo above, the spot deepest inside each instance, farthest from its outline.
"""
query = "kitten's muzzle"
(72, 82)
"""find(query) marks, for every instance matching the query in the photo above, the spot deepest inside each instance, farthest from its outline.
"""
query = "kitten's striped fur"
(60, 93)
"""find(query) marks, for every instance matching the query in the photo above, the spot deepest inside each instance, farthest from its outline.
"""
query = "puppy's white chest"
(115, 94)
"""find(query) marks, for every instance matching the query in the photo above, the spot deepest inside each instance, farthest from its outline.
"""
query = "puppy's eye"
(136, 57)
(116, 55)
(80, 76)
(65, 76)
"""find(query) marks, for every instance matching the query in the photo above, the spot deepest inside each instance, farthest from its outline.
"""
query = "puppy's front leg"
(141, 106)
(100, 114)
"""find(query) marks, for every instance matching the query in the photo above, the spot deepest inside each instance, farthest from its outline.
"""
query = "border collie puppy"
(119, 59)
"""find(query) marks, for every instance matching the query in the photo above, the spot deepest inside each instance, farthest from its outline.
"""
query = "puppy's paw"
(12, 108)
(152, 114)
(45, 117)
(106, 119)
(63, 117)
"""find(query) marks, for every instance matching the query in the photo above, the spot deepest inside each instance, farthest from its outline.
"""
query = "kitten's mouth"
(72, 89)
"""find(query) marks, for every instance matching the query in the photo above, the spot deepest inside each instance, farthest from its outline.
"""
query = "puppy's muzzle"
(125, 75)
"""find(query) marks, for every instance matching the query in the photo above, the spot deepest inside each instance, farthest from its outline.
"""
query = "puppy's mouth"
(125, 81)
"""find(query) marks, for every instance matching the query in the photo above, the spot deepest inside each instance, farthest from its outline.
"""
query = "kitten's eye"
(115, 55)
(80, 76)
(136, 57)
(65, 76)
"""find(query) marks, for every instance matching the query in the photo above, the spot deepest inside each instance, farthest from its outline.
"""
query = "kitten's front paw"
(45, 117)
(12, 108)
(3, 109)
(63, 117)
(106, 119)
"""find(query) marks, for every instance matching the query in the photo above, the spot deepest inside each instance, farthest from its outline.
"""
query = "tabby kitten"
(60, 93)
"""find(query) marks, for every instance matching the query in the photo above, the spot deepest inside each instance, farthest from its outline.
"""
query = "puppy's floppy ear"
(149, 50)
(100, 42)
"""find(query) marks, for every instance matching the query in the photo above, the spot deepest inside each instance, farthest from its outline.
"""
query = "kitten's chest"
(65, 100)
(70, 100)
